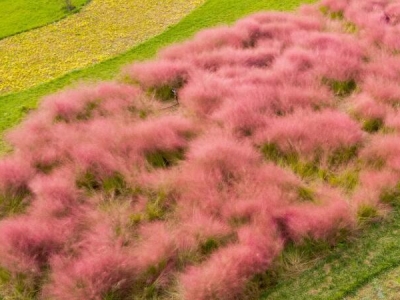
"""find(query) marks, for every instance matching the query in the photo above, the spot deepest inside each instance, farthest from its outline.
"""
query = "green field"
(21, 15)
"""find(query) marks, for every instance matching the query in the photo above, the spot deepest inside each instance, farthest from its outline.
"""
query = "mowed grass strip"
(13, 107)
(21, 15)
(101, 30)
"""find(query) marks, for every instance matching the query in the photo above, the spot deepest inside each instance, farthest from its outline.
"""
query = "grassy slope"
(20, 15)
(348, 267)
(14, 106)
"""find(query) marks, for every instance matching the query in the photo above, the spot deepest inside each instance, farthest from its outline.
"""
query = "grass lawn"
(14, 106)
(20, 15)
(366, 268)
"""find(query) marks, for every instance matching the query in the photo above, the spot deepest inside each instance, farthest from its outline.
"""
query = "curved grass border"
(13, 107)
(66, 15)
(348, 267)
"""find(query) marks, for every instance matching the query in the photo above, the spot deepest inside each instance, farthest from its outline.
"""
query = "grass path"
(13, 107)
(103, 29)
(20, 15)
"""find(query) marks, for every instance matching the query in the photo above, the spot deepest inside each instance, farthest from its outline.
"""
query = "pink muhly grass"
(393, 12)
(305, 96)
(373, 183)
(317, 221)
(158, 73)
(71, 104)
(204, 93)
(246, 111)
(295, 61)
(15, 173)
(383, 150)
(156, 245)
(219, 37)
(364, 106)
(163, 133)
(94, 276)
(392, 120)
(28, 243)
(337, 56)
(383, 90)
(225, 274)
(301, 132)
(197, 227)
(252, 57)
(55, 195)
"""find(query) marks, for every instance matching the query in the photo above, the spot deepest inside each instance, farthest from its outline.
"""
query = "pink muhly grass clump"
(15, 173)
(54, 195)
(94, 275)
(393, 12)
(301, 132)
(158, 73)
(204, 93)
(372, 184)
(72, 104)
(213, 168)
(225, 274)
(392, 120)
(219, 37)
(295, 61)
(364, 106)
(305, 96)
(317, 221)
(163, 133)
(28, 243)
(337, 56)
(383, 90)
(198, 227)
(383, 150)
(247, 109)
(156, 245)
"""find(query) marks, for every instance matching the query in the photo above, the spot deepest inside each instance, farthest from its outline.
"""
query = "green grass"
(341, 272)
(13, 107)
(17, 16)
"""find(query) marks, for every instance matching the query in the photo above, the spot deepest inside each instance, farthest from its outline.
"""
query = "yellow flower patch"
(100, 31)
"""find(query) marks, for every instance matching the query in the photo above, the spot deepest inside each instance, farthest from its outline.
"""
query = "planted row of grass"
(13, 107)
(99, 32)
(19, 15)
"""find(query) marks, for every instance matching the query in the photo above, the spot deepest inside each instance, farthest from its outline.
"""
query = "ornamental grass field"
(189, 175)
